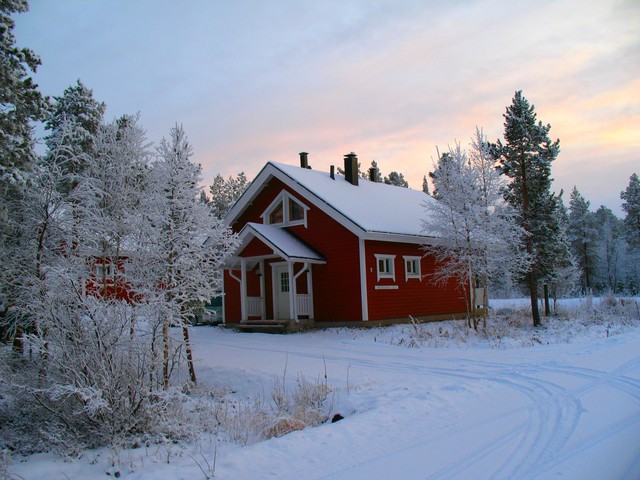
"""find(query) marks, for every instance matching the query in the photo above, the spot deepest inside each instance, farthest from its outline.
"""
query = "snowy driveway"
(561, 411)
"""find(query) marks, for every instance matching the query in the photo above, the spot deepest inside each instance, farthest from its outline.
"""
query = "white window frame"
(416, 261)
(284, 198)
(103, 270)
(392, 269)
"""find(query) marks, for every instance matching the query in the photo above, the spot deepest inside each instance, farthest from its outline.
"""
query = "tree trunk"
(547, 307)
(165, 354)
(18, 342)
(533, 290)
(190, 365)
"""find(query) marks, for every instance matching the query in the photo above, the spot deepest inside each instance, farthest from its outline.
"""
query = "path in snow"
(444, 414)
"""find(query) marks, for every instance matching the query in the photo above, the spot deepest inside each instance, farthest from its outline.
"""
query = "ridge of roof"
(373, 206)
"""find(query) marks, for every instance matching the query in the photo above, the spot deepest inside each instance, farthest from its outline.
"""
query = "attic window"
(296, 212)
(285, 210)
(277, 215)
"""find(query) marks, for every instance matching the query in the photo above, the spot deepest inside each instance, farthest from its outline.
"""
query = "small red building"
(318, 248)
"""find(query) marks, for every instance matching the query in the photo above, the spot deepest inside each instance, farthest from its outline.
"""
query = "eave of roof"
(281, 241)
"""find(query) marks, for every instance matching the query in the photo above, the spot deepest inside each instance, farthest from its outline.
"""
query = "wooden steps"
(263, 326)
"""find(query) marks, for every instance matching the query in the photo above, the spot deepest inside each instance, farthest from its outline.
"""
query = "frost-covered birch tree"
(186, 243)
(474, 228)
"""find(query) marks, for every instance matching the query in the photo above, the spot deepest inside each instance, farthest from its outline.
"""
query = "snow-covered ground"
(429, 402)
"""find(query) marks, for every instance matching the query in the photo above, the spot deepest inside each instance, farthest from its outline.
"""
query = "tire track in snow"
(553, 412)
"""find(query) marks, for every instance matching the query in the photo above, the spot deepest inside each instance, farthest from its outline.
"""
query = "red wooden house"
(318, 248)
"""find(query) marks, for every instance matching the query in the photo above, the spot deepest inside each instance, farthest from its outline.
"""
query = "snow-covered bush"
(99, 382)
(248, 421)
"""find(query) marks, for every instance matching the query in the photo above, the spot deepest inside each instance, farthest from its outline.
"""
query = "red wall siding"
(232, 312)
(336, 284)
(255, 249)
(414, 296)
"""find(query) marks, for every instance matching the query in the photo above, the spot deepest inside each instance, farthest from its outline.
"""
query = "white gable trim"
(284, 198)
(271, 170)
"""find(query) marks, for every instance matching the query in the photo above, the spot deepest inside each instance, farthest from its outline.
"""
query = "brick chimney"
(304, 161)
(351, 168)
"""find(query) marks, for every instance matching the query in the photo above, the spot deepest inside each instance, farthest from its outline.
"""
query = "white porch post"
(243, 289)
(262, 289)
(292, 293)
(363, 280)
(310, 291)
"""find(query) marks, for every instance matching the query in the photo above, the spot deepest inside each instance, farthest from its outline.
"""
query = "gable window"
(296, 212)
(385, 266)
(411, 267)
(285, 210)
(277, 215)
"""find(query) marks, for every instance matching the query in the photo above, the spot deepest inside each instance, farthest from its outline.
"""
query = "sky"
(391, 80)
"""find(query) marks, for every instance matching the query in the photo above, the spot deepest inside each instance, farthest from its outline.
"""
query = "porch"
(273, 274)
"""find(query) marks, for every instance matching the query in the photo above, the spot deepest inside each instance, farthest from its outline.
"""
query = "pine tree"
(526, 158)
(396, 179)
(583, 236)
(631, 206)
(20, 101)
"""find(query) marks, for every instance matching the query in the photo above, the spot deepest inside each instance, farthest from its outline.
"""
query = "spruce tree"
(526, 157)
(583, 235)
(631, 206)
(20, 101)
(611, 251)
(224, 193)
(425, 185)
(73, 124)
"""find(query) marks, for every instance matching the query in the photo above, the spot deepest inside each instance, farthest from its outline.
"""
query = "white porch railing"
(303, 304)
(254, 306)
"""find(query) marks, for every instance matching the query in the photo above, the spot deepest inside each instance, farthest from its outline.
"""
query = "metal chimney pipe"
(304, 161)
(351, 168)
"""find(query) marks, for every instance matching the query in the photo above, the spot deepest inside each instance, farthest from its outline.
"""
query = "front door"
(282, 292)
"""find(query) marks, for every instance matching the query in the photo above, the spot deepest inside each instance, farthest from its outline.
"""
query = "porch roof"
(283, 243)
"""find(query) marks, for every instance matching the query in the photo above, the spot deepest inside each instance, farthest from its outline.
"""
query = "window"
(285, 210)
(385, 266)
(276, 216)
(296, 212)
(284, 282)
(411, 267)
(102, 271)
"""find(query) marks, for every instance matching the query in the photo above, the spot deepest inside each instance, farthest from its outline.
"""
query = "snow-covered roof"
(370, 209)
(284, 243)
